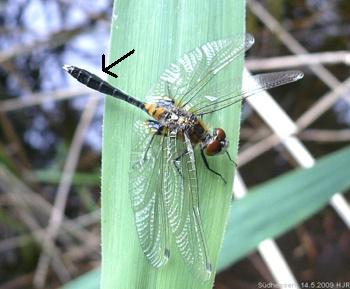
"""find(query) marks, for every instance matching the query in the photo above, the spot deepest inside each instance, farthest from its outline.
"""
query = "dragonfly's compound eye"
(219, 134)
(213, 147)
(218, 143)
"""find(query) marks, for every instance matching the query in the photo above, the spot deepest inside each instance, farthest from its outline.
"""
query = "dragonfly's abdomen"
(98, 84)
(157, 112)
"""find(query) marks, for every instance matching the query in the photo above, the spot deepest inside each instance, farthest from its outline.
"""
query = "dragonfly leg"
(148, 147)
(207, 166)
(144, 157)
(177, 159)
(157, 130)
(232, 161)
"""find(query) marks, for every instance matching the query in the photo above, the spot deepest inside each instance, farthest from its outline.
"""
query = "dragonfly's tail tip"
(67, 67)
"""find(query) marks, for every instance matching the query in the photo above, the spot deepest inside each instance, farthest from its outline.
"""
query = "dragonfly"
(163, 184)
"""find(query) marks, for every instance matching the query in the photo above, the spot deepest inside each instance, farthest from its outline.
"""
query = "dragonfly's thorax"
(179, 120)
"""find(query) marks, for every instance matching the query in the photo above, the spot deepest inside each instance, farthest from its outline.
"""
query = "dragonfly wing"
(185, 78)
(182, 206)
(162, 90)
(146, 191)
(230, 92)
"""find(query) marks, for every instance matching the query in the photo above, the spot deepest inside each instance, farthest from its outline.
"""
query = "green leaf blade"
(276, 206)
(160, 32)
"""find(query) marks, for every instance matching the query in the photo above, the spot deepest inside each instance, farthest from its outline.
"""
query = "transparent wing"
(230, 92)
(146, 187)
(184, 79)
(182, 206)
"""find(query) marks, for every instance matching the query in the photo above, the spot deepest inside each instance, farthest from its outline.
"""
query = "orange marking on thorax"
(154, 111)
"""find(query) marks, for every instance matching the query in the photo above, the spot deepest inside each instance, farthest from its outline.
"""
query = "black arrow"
(106, 69)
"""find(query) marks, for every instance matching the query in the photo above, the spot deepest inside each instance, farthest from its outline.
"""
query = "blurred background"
(50, 135)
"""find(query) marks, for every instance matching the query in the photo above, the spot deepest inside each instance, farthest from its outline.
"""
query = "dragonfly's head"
(217, 143)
